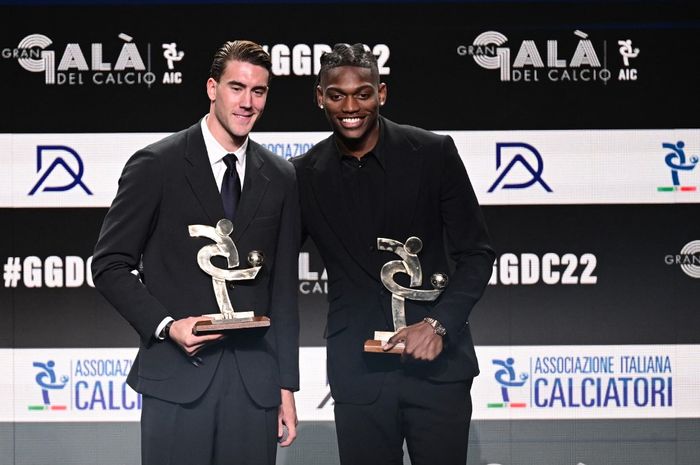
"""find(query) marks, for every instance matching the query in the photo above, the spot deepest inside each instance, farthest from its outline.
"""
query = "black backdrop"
(637, 299)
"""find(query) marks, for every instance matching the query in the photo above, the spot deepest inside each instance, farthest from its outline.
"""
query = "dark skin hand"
(421, 342)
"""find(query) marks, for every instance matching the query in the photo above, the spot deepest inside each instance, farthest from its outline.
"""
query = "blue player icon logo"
(677, 161)
(506, 377)
(46, 379)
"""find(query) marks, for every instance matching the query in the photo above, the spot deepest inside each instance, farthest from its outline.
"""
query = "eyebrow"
(338, 89)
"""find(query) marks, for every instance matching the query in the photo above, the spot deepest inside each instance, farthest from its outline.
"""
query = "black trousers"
(223, 427)
(432, 417)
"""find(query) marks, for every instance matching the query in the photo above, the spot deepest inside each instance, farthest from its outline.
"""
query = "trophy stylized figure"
(409, 264)
(227, 319)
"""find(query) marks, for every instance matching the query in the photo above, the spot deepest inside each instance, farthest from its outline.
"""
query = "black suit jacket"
(164, 188)
(428, 195)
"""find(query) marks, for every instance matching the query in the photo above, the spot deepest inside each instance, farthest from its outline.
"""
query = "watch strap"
(437, 327)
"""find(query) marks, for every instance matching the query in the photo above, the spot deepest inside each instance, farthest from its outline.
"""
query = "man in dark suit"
(208, 399)
(374, 178)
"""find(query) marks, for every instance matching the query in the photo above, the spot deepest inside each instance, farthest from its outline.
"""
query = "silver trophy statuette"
(409, 264)
(228, 318)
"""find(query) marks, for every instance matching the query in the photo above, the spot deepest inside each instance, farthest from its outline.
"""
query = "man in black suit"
(374, 178)
(208, 399)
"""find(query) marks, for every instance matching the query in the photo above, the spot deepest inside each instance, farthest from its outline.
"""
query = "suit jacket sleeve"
(125, 232)
(467, 243)
(284, 310)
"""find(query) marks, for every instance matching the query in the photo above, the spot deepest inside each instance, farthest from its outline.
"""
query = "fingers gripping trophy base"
(380, 338)
(410, 265)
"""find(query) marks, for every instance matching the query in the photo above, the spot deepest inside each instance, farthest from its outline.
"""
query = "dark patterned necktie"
(230, 187)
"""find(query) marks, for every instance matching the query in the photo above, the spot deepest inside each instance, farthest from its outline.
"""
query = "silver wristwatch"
(437, 327)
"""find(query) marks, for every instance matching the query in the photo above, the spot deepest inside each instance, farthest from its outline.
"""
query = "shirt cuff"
(159, 329)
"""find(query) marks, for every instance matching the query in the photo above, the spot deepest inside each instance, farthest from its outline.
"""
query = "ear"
(319, 97)
(382, 93)
(211, 89)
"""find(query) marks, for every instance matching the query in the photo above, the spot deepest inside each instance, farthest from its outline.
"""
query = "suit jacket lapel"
(403, 181)
(254, 187)
(200, 176)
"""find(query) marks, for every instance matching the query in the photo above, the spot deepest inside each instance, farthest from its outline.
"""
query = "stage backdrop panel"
(577, 122)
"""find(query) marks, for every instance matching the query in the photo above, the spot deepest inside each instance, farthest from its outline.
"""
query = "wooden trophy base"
(380, 337)
(219, 325)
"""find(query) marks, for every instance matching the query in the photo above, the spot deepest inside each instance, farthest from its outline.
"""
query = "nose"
(350, 105)
(246, 100)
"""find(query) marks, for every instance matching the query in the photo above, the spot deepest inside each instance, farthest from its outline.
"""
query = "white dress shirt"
(216, 154)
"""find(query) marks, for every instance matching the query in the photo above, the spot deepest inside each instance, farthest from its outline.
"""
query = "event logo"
(524, 156)
(47, 381)
(489, 51)
(602, 381)
(53, 271)
(678, 163)
(92, 385)
(305, 60)
(68, 65)
(627, 52)
(61, 164)
(172, 55)
(688, 259)
(311, 282)
(507, 379)
(559, 379)
(551, 268)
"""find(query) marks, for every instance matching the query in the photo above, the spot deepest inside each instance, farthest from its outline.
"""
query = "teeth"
(350, 120)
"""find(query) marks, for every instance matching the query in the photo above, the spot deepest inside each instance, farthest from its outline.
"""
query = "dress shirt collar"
(215, 151)
(378, 150)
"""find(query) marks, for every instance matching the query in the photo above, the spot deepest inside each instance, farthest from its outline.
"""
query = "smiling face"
(351, 97)
(237, 101)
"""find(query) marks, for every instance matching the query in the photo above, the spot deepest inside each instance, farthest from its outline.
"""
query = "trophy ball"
(255, 258)
(224, 227)
(413, 245)
(439, 280)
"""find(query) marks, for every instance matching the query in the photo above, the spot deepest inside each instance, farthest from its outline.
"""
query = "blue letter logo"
(59, 161)
(519, 149)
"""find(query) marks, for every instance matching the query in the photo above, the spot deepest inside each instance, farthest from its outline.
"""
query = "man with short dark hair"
(208, 399)
(374, 178)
